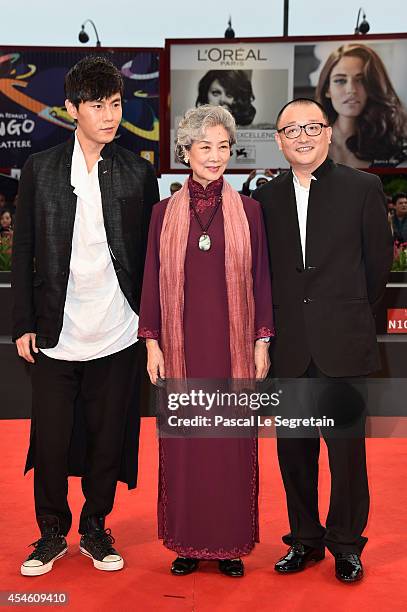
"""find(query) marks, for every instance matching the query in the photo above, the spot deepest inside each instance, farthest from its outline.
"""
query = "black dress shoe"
(298, 557)
(232, 567)
(348, 567)
(182, 566)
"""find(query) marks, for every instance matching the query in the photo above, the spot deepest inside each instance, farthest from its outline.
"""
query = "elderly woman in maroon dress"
(206, 313)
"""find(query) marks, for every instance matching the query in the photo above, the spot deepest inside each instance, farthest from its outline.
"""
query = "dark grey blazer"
(324, 311)
(44, 228)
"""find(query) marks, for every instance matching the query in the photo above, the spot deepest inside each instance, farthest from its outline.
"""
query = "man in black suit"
(78, 257)
(330, 251)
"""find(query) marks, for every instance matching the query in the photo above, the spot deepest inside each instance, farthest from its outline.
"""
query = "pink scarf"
(239, 282)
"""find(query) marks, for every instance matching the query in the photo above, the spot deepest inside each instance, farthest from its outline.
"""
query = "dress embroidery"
(263, 332)
(205, 198)
(144, 332)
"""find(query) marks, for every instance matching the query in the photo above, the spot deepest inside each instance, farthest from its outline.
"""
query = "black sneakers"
(97, 542)
(50, 547)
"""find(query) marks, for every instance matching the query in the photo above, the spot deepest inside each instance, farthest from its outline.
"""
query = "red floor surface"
(145, 582)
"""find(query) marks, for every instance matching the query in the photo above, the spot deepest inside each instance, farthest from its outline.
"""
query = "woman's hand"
(261, 359)
(155, 361)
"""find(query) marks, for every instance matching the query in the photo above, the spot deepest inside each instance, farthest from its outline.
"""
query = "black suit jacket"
(44, 229)
(324, 310)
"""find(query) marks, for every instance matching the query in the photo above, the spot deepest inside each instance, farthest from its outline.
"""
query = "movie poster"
(32, 112)
(252, 80)
(363, 88)
(360, 82)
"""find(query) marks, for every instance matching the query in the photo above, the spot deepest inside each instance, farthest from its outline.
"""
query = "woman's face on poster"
(218, 96)
(346, 89)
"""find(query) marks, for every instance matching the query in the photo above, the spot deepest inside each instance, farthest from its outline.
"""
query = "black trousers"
(298, 458)
(104, 387)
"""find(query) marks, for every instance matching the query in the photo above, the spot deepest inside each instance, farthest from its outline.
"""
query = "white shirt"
(98, 320)
(302, 197)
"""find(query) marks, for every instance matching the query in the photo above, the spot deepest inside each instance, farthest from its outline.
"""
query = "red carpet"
(145, 583)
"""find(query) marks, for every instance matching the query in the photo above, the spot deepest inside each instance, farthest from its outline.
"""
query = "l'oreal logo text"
(230, 56)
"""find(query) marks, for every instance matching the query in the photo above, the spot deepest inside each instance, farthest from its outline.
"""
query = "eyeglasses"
(311, 129)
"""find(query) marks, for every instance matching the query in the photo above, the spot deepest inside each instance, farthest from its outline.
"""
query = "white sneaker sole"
(39, 570)
(109, 566)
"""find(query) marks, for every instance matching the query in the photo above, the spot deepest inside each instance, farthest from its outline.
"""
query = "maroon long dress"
(208, 488)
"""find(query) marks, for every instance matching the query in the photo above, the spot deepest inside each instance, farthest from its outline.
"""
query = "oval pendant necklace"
(204, 242)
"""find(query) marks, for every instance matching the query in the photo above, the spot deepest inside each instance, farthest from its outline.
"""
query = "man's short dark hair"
(398, 196)
(92, 78)
(304, 101)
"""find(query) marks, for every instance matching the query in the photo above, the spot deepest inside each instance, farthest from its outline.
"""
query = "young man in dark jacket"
(78, 257)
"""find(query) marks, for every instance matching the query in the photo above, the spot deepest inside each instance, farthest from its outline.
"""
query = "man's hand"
(155, 361)
(261, 359)
(25, 344)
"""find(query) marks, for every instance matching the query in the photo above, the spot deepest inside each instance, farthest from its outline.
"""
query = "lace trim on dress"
(204, 198)
(263, 332)
(205, 553)
(144, 332)
(162, 491)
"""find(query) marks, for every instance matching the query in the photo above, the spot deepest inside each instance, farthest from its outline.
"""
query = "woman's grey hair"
(194, 124)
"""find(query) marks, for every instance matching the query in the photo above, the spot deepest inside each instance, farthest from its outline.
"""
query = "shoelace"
(102, 539)
(43, 545)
